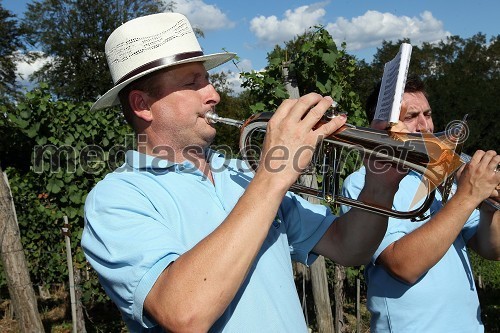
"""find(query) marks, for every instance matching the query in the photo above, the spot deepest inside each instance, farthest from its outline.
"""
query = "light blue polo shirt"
(442, 300)
(148, 212)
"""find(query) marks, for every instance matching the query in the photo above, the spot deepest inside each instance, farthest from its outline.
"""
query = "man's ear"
(138, 101)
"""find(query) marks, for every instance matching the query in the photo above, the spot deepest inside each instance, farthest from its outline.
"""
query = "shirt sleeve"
(397, 228)
(120, 240)
(305, 224)
(351, 188)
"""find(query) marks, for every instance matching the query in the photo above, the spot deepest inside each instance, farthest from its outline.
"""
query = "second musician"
(420, 278)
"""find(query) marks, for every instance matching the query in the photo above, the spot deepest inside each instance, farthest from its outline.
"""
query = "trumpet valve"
(333, 111)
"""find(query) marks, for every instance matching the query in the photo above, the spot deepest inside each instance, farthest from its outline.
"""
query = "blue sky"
(252, 28)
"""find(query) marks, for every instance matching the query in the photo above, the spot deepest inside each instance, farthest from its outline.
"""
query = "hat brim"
(110, 98)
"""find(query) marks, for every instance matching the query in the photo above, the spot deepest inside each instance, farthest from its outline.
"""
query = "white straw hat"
(147, 44)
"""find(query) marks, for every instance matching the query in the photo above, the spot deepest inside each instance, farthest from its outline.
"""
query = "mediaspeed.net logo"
(95, 159)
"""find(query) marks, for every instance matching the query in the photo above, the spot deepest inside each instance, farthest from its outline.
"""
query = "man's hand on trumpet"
(292, 136)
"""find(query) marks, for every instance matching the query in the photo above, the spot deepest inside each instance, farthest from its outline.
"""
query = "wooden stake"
(69, 259)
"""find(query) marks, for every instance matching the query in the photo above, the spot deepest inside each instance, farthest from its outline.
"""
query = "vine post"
(69, 259)
(76, 306)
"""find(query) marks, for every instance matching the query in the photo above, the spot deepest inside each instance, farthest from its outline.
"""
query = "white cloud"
(204, 16)
(370, 29)
(25, 68)
(271, 30)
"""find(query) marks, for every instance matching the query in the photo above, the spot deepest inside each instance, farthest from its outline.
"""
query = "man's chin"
(210, 138)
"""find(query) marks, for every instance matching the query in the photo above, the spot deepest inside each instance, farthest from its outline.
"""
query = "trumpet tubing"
(431, 155)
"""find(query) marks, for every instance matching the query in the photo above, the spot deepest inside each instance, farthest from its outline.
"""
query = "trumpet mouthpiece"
(211, 118)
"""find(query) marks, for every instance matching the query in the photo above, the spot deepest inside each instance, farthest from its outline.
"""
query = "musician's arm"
(486, 241)
(353, 238)
(193, 291)
(196, 289)
(415, 253)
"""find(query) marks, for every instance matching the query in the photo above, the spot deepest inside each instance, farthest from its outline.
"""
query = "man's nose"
(212, 95)
(422, 125)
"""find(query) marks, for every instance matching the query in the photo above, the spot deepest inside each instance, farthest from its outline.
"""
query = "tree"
(10, 50)
(466, 80)
(10, 44)
(320, 66)
(370, 74)
(14, 263)
(72, 35)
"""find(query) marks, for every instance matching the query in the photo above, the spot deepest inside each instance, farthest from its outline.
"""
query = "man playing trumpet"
(420, 277)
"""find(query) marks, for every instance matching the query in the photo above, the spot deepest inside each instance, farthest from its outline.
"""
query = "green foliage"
(318, 66)
(487, 269)
(487, 276)
(71, 149)
(467, 81)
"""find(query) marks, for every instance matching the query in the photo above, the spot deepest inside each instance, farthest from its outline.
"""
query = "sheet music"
(393, 84)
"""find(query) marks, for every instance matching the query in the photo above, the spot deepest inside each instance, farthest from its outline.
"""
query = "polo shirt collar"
(137, 160)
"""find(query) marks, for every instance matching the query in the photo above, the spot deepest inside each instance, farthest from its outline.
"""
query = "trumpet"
(431, 155)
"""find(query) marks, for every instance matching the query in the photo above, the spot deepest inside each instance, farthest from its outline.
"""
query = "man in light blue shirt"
(420, 277)
(184, 239)
(168, 209)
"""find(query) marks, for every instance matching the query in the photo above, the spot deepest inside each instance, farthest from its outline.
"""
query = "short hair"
(149, 84)
(413, 84)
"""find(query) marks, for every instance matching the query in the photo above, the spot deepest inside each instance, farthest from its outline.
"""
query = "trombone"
(431, 155)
